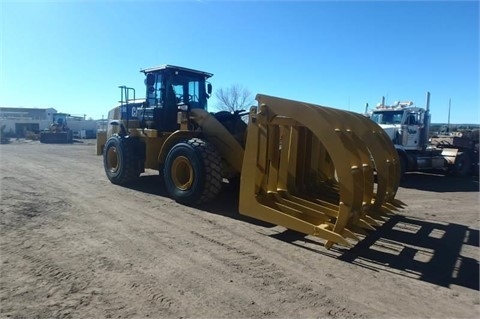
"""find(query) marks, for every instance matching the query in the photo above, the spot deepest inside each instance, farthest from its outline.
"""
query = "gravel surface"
(73, 245)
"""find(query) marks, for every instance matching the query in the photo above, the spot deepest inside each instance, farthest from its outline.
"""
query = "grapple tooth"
(365, 225)
(347, 233)
(358, 230)
(397, 203)
(370, 221)
(380, 214)
(311, 169)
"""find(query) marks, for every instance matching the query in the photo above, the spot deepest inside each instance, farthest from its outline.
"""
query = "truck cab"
(406, 125)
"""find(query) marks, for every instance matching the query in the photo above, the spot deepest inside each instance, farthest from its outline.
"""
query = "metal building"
(19, 121)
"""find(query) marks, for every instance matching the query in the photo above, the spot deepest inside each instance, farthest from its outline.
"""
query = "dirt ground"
(73, 245)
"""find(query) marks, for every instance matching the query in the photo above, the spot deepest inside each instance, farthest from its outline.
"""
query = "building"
(20, 121)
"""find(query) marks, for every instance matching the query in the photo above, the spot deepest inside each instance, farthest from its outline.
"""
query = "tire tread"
(213, 169)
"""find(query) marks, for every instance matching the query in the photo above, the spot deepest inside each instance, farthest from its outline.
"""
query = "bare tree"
(234, 98)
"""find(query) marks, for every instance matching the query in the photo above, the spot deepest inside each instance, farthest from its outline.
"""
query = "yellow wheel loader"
(317, 170)
(59, 132)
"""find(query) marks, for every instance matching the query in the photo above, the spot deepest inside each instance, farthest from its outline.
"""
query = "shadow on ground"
(226, 204)
(430, 250)
(426, 250)
(440, 183)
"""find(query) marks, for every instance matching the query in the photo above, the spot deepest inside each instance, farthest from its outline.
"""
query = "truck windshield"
(387, 117)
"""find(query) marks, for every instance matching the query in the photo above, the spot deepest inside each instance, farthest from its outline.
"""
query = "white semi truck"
(408, 126)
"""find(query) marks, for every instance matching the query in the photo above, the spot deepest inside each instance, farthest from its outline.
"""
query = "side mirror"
(150, 80)
(209, 88)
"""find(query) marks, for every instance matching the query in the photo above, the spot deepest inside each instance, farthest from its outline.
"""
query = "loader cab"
(170, 89)
(59, 121)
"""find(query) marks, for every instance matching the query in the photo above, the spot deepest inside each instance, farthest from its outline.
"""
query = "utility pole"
(449, 106)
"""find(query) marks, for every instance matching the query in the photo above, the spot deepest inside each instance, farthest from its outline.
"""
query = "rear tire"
(120, 160)
(193, 172)
(463, 165)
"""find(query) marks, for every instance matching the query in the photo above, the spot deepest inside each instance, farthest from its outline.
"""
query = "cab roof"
(174, 67)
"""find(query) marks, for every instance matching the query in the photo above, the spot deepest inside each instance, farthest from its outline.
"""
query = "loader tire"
(120, 161)
(193, 172)
(463, 165)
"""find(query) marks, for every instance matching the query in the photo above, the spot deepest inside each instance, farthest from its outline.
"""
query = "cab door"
(412, 131)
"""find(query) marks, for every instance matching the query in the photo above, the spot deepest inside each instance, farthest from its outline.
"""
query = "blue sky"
(73, 55)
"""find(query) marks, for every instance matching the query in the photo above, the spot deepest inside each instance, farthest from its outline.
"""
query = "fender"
(173, 139)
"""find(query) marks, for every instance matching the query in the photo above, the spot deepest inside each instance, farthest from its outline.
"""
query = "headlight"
(183, 107)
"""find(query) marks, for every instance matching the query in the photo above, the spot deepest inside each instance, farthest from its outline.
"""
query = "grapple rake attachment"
(312, 169)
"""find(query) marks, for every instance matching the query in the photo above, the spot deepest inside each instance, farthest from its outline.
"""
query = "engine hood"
(390, 129)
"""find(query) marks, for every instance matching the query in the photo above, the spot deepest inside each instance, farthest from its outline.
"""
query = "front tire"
(120, 160)
(192, 172)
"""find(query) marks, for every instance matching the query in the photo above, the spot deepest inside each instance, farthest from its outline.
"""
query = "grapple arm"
(312, 169)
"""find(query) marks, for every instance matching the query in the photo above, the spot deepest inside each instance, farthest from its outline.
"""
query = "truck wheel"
(120, 161)
(403, 165)
(462, 165)
(192, 172)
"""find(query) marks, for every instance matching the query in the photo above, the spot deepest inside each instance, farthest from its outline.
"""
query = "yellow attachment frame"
(317, 170)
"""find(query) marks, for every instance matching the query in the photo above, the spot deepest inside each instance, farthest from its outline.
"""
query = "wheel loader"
(58, 132)
(316, 170)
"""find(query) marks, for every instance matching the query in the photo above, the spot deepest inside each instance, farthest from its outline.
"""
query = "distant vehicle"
(408, 127)
(59, 132)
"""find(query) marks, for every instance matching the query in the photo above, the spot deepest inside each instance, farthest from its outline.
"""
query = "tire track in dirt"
(192, 214)
(25, 213)
(145, 290)
(267, 277)
(293, 292)
(44, 280)
(139, 254)
(151, 292)
(262, 273)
